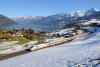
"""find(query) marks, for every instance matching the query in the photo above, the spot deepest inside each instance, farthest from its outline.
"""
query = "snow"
(79, 14)
(16, 47)
(54, 39)
(91, 11)
(64, 31)
(71, 54)
(8, 43)
(32, 42)
(9, 51)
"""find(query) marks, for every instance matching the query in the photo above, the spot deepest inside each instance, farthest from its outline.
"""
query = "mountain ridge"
(61, 17)
(6, 21)
(54, 22)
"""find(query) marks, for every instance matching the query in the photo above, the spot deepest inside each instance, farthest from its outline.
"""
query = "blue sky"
(13, 8)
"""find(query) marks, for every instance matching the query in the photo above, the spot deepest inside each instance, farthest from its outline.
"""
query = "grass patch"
(2, 41)
(20, 39)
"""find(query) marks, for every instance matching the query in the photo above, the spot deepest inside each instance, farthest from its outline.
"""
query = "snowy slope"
(91, 11)
(71, 54)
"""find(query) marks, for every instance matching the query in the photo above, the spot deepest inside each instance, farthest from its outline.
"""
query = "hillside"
(49, 23)
(57, 21)
(81, 52)
(6, 21)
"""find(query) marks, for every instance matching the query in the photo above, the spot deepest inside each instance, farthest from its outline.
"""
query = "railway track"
(35, 48)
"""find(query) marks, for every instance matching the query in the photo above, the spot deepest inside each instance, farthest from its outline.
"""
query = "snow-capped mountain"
(92, 11)
(78, 14)
(61, 17)
(55, 22)
(26, 19)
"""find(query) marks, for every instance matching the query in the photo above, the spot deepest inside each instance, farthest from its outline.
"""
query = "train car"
(52, 43)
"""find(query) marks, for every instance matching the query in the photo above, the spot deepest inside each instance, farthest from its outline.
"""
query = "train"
(49, 44)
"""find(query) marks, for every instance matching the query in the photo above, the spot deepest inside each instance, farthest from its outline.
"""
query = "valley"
(60, 40)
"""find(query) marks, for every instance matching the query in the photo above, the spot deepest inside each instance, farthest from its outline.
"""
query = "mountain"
(58, 18)
(57, 21)
(90, 14)
(53, 22)
(5, 20)
(91, 11)
(26, 19)
(78, 14)
(62, 17)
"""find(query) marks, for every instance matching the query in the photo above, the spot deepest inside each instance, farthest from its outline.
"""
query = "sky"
(14, 8)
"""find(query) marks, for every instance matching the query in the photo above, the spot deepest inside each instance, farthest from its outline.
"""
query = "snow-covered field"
(15, 48)
(79, 52)
(8, 43)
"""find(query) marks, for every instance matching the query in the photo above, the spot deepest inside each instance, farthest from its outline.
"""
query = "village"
(15, 42)
(23, 41)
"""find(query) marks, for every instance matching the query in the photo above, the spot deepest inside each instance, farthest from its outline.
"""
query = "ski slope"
(78, 52)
